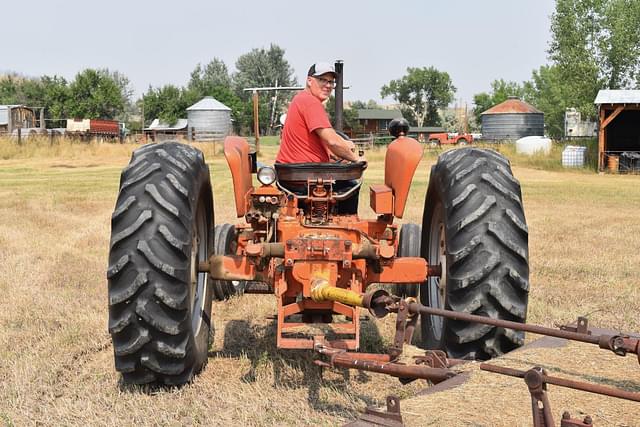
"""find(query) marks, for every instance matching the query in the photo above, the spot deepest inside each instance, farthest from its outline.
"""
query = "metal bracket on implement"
(380, 363)
(437, 359)
(374, 417)
(537, 380)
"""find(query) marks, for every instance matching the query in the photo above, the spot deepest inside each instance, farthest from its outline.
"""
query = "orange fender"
(400, 163)
(236, 151)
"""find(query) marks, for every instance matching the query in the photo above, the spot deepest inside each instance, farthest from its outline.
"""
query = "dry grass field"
(56, 359)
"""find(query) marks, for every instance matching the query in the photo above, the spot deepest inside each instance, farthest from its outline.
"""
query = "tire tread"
(149, 273)
(487, 249)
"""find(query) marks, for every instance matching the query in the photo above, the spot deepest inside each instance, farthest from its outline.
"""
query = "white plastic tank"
(573, 156)
(533, 144)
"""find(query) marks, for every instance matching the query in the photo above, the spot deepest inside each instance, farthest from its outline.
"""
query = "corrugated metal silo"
(209, 119)
(511, 120)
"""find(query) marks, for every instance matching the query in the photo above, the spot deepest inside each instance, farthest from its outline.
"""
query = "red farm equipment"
(444, 138)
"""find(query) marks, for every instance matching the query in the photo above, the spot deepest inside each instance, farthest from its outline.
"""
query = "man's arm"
(336, 144)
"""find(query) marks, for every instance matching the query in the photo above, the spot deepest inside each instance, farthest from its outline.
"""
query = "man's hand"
(351, 145)
(339, 146)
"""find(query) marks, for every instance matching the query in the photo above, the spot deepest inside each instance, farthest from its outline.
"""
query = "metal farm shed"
(158, 131)
(209, 120)
(619, 130)
(511, 120)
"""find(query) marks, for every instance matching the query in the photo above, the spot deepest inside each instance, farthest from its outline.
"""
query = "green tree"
(596, 45)
(205, 79)
(8, 89)
(214, 80)
(98, 94)
(55, 96)
(550, 94)
(264, 68)
(52, 93)
(500, 91)
(16, 89)
(167, 103)
(362, 105)
(350, 115)
(421, 92)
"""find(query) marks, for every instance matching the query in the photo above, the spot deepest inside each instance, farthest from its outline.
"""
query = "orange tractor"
(303, 242)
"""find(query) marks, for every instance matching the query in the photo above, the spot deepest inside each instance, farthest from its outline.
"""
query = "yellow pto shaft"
(322, 291)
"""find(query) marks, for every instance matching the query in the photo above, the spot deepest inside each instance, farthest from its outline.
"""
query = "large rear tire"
(225, 244)
(159, 304)
(474, 227)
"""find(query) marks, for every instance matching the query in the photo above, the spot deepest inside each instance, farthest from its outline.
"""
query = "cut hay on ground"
(490, 399)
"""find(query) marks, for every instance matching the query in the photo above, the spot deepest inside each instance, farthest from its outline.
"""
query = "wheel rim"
(199, 251)
(437, 286)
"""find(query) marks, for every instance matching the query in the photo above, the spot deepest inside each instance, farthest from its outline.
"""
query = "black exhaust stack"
(339, 124)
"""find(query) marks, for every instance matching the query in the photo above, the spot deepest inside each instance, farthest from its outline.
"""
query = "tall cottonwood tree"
(215, 80)
(595, 45)
(98, 94)
(263, 68)
(500, 91)
(167, 103)
(550, 94)
(204, 79)
(421, 92)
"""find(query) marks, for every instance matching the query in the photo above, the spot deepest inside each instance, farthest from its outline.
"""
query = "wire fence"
(623, 162)
(626, 162)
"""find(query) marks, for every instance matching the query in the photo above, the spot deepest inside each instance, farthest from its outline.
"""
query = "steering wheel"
(343, 135)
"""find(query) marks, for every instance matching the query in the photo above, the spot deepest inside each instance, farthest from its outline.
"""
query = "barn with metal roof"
(619, 130)
(511, 120)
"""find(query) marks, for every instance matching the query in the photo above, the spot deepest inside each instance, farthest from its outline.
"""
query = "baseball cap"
(320, 68)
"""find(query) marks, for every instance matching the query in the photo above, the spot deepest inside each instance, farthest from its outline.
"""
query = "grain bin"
(209, 119)
(511, 120)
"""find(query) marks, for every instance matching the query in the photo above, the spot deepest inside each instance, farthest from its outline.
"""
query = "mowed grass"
(56, 358)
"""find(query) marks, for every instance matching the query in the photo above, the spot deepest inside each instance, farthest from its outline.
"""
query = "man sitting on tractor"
(307, 136)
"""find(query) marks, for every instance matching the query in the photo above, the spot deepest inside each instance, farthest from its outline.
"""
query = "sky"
(160, 42)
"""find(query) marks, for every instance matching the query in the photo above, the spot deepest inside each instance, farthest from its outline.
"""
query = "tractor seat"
(292, 177)
(300, 172)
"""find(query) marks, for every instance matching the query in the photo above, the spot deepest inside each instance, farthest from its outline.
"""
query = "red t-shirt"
(299, 143)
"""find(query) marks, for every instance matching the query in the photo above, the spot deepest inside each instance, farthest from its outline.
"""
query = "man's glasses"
(325, 82)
